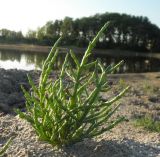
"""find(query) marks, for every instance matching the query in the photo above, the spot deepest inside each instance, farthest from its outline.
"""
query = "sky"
(22, 15)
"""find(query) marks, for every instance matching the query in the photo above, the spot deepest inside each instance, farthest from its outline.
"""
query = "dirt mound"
(11, 95)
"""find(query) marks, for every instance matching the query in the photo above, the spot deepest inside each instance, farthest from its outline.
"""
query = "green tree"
(31, 34)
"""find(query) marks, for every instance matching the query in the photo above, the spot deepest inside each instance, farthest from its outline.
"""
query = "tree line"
(125, 32)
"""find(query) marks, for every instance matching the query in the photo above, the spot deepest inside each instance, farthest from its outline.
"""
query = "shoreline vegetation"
(45, 49)
(135, 33)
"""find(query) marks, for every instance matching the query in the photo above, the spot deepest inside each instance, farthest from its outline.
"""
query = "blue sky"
(30, 14)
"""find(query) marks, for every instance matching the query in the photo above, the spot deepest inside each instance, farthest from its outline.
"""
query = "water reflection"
(32, 60)
(21, 60)
(6, 55)
(134, 63)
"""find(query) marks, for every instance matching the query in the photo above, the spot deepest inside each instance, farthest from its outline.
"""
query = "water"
(21, 60)
(34, 60)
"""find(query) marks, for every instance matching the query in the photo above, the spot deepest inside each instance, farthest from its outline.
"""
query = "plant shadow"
(124, 148)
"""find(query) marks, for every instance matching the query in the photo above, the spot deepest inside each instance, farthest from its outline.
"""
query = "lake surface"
(21, 60)
(34, 60)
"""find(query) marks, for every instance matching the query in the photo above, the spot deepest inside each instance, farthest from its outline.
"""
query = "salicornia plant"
(69, 109)
(5, 147)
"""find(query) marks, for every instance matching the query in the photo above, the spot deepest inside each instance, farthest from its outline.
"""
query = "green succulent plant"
(67, 110)
(5, 147)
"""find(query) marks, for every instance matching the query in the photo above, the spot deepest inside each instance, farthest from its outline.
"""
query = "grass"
(150, 88)
(148, 123)
(121, 84)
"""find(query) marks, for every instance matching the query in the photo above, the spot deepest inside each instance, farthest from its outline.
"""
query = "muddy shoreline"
(46, 49)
